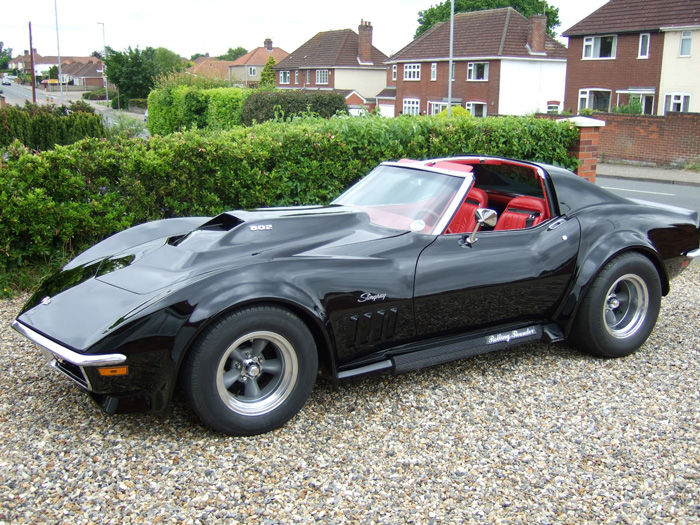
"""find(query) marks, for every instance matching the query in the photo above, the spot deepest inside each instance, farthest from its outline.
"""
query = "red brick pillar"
(2, 102)
(586, 149)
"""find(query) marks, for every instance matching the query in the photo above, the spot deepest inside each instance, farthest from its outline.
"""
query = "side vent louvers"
(373, 327)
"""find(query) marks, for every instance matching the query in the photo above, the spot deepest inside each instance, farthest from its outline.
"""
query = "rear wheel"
(251, 371)
(620, 308)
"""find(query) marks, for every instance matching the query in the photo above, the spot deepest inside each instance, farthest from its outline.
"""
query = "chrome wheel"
(257, 373)
(626, 306)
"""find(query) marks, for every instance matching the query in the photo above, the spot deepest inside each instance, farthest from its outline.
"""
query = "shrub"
(262, 106)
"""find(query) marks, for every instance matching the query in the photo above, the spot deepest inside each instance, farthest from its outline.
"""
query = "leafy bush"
(138, 103)
(182, 107)
(43, 127)
(633, 108)
(99, 94)
(263, 105)
(57, 203)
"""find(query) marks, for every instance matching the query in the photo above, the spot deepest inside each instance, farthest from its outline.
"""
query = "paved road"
(685, 196)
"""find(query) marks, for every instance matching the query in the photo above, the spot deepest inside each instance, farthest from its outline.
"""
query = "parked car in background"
(419, 263)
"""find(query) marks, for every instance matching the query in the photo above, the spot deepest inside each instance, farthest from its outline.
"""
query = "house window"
(411, 71)
(322, 76)
(436, 107)
(394, 69)
(644, 45)
(477, 71)
(453, 70)
(597, 100)
(308, 76)
(595, 47)
(686, 40)
(252, 71)
(477, 109)
(679, 102)
(433, 71)
(553, 108)
(296, 77)
(284, 77)
(411, 106)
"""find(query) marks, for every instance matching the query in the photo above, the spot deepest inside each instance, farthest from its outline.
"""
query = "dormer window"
(599, 47)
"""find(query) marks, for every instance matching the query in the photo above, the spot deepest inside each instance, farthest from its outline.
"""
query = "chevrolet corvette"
(419, 263)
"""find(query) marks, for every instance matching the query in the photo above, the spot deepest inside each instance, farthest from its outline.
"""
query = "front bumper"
(66, 361)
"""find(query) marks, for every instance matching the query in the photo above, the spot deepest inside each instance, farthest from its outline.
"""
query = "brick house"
(245, 71)
(340, 60)
(503, 63)
(636, 49)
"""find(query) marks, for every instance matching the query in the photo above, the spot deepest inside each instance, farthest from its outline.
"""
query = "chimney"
(268, 44)
(365, 42)
(536, 33)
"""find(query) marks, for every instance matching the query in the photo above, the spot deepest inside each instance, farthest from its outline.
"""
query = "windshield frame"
(466, 180)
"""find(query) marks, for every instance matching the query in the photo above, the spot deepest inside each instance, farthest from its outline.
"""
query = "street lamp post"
(104, 64)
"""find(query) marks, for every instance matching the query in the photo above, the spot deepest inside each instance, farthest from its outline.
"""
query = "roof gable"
(259, 56)
(620, 16)
(490, 33)
(339, 48)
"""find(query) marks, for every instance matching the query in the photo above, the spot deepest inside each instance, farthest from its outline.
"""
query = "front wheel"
(251, 371)
(620, 308)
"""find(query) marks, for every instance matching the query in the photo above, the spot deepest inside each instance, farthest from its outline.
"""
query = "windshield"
(404, 198)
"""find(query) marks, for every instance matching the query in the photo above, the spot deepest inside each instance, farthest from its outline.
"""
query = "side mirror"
(483, 216)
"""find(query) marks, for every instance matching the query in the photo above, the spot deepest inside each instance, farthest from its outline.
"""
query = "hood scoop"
(221, 223)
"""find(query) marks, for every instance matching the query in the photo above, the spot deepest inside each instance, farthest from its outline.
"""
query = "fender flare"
(594, 259)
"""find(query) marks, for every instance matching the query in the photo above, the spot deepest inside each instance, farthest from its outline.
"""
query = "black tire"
(251, 371)
(619, 310)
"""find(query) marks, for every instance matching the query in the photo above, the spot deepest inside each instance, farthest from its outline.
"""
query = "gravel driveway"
(534, 435)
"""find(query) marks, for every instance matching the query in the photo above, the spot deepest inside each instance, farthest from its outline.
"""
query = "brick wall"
(671, 140)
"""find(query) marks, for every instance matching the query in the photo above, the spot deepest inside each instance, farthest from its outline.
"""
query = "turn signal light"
(113, 371)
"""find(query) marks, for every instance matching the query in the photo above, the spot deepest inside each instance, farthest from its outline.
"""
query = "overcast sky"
(212, 26)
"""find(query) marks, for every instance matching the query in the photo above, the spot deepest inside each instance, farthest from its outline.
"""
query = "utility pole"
(58, 50)
(31, 61)
(449, 72)
(104, 64)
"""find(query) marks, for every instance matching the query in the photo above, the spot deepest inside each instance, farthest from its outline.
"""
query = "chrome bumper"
(64, 353)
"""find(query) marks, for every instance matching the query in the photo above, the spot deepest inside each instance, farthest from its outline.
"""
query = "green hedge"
(264, 105)
(57, 203)
(43, 128)
(184, 107)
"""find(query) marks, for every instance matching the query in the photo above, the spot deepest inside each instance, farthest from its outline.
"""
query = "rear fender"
(594, 257)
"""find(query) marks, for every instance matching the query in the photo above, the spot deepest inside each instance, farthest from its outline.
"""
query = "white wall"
(367, 82)
(527, 85)
(680, 74)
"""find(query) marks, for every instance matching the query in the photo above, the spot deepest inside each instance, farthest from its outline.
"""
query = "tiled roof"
(489, 33)
(638, 15)
(338, 48)
(259, 56)
(212, 68)
(387, 92)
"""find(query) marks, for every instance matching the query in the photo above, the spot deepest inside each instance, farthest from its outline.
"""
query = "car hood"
(126, 273)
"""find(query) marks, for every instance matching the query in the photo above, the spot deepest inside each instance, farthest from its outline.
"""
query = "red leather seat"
(464, 221)
(522, 212)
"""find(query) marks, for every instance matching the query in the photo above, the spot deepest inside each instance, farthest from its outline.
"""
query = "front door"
(505, 276)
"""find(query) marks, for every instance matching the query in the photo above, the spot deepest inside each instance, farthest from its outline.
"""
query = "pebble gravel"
(537, 434)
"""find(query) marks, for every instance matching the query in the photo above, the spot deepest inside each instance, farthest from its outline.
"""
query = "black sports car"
(421, 262)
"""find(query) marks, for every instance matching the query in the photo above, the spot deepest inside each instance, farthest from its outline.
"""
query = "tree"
(441, 12)
(267, 76)
(5, 56)
(198, 55)
(133, 71)
(233, 54)
(166, 60)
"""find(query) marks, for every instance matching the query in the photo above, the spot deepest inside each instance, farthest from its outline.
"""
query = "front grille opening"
(73, 372)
